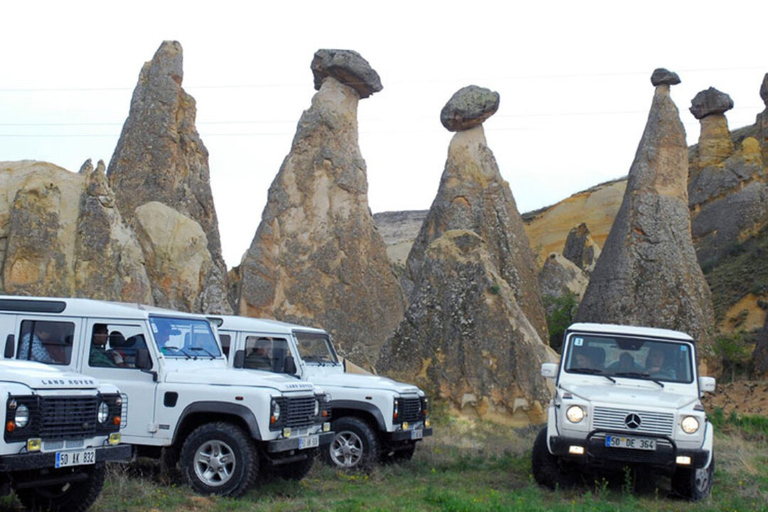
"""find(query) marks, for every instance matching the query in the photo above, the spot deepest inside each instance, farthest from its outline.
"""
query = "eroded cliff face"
(161, 158)
(317, 258)
(61, 235)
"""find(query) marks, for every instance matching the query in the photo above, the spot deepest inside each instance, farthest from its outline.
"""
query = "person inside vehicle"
(589, 358)
(38, 351)
(625, 364)
(99, 355)
(260, 357)
(654, 364)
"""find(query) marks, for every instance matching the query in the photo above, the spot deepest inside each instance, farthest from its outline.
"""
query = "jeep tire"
(219, 458)
(354, 446)
(296, 470)
(546, 467)
(694, 484)
(74, 496)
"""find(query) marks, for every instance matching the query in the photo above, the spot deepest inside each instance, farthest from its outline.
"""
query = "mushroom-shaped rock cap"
(663, 76)
(710, 102)
(349, 68)
(764, 90)
(469, 107)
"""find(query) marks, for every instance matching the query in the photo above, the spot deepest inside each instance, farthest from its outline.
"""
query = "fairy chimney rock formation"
(62, 236)
(161, 158)
(473, 330)
(648, 273)
(581, 249)
(469, 107)
(715, 143)
(317, 258)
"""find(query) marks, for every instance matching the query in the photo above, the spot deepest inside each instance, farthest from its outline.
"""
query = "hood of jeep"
(350, 380)
(229, 377)
(41, 376)
(632, 396)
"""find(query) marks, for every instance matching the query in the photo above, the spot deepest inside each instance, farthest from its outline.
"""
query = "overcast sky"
(574, 80)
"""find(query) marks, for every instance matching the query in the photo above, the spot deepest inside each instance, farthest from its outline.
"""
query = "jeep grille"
(51, 418)
(411, 409)
(607, 418)
(300, 411)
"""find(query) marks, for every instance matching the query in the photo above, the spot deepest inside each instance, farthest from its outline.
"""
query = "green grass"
(467, 466)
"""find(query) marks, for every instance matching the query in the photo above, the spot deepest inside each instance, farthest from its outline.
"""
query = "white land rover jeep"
(59, 430)
(373, 416)
(627, 396)
(181, 401)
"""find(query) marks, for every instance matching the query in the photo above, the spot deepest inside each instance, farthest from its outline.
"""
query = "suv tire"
(219, 458)
(546, 467)
(694, 484)
(354, 446)
(68, 497)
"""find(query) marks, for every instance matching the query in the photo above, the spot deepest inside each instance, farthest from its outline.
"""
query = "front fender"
(211, 407)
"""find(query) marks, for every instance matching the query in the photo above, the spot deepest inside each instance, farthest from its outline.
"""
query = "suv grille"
(67, 417)
(299, 412)
(411, 409)
(650, 422)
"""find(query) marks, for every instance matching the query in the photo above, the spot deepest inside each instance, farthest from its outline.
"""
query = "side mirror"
(707, 384)
(239, 360)
(9, 343)
(289, 366)
(549, 370)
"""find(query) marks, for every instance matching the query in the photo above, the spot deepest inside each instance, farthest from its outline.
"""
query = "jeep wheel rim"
(215, 463)
(701, 479)
(347, 449)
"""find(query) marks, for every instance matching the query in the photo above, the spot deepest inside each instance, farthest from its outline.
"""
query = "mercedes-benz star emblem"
(632, 420)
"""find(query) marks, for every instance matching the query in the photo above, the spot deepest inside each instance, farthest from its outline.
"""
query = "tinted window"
(46, 342)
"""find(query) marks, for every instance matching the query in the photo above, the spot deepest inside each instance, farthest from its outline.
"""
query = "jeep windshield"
(316, 348)
(629, 357)
(187, 338)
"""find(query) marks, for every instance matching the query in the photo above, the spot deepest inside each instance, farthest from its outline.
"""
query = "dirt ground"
(744, 397)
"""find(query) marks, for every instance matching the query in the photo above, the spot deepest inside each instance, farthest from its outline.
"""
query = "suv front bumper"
(408, 435)
(597, 455)
(38, 460)
(296, 443)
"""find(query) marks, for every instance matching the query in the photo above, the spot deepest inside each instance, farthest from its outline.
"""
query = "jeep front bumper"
(595, 454)
(37, 460)
(298, 443)
(414, 434)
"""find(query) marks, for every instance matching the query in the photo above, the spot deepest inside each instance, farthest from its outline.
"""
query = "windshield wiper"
(639, 375)
(204, 350)
(592, 371)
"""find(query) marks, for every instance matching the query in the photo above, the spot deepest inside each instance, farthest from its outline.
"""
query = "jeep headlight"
(575, 414)
(275, 415)
(21, 418)
(317, 407)
(690, 424)
(103, 412)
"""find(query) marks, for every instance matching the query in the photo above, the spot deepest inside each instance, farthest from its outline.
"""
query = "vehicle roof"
(246, 323)
(631, 330)
(85, 308)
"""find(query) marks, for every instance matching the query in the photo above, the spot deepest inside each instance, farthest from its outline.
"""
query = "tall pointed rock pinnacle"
(474, 326)
(317, 258)
(648, 273)
(161, 160)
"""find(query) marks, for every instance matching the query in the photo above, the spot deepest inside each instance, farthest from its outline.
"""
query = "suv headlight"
(575, 414)
(21, 418)
(690, 424)
(275, 415)
(103, 412)
(317, 407)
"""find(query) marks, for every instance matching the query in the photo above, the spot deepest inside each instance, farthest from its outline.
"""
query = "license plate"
(75, 458)
(633, 443)
(309, 442)
(417, 434)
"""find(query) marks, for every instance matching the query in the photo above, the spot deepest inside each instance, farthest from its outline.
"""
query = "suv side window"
(46, 341)
(114, 345)
(265, 353)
